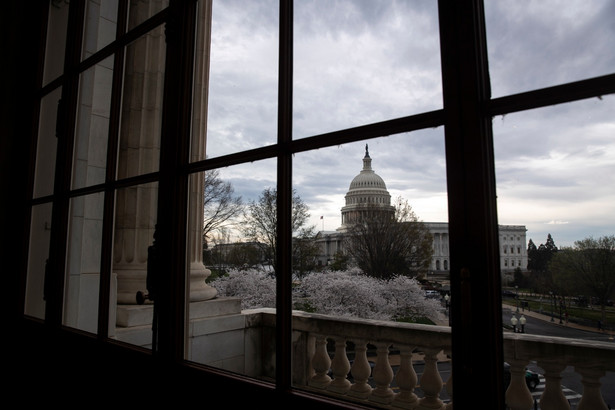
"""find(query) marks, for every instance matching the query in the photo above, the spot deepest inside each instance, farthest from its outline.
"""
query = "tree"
(531, 254)
(354, 294)
(260, 224)
(539, 258)
(256, 289)
(589, 267)
(341, 293)
(340, 261)
(220, 205)
(305, 251)
(387, 245)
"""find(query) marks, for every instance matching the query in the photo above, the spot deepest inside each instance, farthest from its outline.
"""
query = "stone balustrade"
(331, 357)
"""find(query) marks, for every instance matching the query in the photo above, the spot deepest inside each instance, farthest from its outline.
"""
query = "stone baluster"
(449, 387)
(321, 363)
(406, 380)
(383, 376)
(518, 396)
(431, 382)
(552, 397)
(592, 398)
(340, 366)
(361, 370)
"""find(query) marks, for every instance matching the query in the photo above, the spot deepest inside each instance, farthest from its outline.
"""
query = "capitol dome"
(367, 195)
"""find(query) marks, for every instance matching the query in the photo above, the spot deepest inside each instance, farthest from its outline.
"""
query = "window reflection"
(135, 225)
(100, 25)
(82, 280)
(139, 143)
(92, 129)
(46, 144)
(40, 232)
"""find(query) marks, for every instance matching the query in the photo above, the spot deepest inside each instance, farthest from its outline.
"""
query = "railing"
(345, 373)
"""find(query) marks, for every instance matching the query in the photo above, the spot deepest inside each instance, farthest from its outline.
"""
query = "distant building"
(368, 191)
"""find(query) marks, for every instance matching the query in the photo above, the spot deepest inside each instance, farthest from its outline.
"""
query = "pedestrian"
(600, 325)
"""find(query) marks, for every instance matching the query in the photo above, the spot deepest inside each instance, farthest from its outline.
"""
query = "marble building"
(368, 188)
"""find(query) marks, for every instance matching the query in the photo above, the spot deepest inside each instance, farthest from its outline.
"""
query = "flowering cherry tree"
(353, 294)
(255, 288)
(348, 293)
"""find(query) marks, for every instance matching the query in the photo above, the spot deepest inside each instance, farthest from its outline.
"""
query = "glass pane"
(139, 148)
(92, 131)
(358, 62)
(56, 40)
(82, 282)
(243, 85)
(40, 233)
(536, 44)
(142, 10)
(100, 25)
(46, 144)
(555, 172)
(135, 225)
(371, 268)
(231, 278)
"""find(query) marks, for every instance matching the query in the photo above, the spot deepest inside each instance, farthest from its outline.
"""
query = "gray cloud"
(365, 61)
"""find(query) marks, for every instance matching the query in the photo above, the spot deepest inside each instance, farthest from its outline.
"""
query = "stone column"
(139, 154)
(199, 290)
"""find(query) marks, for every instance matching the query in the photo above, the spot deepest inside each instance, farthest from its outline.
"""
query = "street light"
(517, 296)
(447, 299)
(522, 321)
(552, 302)
(513, 321)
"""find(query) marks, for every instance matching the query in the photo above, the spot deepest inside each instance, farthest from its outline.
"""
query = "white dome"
(367, 194)
(367, 178)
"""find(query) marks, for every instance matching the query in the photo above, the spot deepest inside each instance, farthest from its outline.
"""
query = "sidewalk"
(547, 318)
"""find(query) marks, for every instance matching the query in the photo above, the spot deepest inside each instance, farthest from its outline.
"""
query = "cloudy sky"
(358, 62)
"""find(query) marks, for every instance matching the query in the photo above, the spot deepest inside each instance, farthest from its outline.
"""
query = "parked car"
(531, 378)
(432, 294)
(508, 294)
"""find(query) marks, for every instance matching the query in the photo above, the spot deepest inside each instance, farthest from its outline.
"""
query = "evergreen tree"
(531, 255)
(539, 258)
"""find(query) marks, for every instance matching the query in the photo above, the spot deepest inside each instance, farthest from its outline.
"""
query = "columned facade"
(368, 195)
(139, 153)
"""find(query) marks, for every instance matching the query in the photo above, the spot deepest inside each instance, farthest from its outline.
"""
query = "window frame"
(466, 117)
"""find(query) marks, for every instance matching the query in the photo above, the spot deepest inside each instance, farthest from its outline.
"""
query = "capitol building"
(368, 194)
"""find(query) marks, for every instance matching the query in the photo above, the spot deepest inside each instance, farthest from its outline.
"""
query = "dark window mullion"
(104, 297)
(173, 184)
(284, 199)
(54, 278)
(545, 97)
(475, 277)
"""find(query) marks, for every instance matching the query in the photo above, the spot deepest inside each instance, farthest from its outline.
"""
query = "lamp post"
(551, 302)
(513, 321)
(522, 321)
(561, 300)
(517, 296)
(447, 300)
